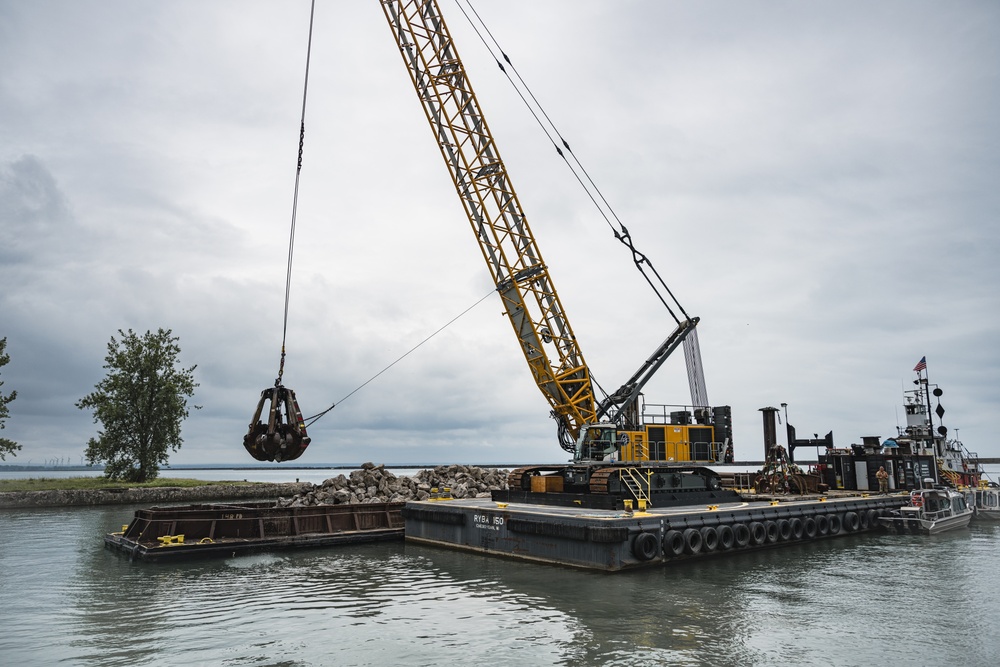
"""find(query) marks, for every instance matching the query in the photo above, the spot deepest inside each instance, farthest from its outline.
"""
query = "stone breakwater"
(370, 484)
(374, 484)
(158, 495)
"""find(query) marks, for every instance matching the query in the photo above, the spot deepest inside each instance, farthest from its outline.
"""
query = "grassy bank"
(98, 483)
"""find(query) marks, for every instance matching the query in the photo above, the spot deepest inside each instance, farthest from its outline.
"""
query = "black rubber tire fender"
(863, 522)
(741, 535)
(822, 525)
(645, 546)
(758, 534)
(692, 541)
(673, 543)
(797, 528)
(851, 521)
(726, 537)
(835, 523)
(784, 529)
(772, 531)
(709, 539)
(873, 518)
(809, 527)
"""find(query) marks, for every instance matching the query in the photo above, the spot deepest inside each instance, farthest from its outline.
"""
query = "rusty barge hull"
(616, 540)
(227, 530)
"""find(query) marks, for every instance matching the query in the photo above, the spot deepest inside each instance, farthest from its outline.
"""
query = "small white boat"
(985, 501)
(931, 511)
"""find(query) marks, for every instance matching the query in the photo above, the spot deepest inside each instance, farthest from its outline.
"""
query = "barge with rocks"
(226, 530)
(364, 506)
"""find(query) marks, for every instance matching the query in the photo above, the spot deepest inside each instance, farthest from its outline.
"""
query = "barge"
(612, 540)
(603, 539)
(226, 530)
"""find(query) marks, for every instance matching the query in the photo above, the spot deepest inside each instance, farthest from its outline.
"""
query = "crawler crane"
(619, 451)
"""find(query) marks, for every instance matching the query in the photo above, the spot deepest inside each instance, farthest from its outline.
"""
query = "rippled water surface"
(858, 600)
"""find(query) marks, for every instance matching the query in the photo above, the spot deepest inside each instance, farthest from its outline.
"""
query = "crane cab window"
(598, 441)
(600, 437)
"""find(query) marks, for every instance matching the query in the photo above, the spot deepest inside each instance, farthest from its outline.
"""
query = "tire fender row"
(705, 534)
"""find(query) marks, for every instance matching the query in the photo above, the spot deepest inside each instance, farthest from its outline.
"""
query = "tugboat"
(919, 450)
(932, 510)
(956, 466)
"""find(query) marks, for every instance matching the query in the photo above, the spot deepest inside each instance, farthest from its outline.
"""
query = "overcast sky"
(817, 181)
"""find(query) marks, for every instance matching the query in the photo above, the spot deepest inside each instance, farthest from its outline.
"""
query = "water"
(869, 599)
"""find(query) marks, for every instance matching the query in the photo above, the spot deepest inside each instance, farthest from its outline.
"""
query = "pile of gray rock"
(148, 495)
(374, 484)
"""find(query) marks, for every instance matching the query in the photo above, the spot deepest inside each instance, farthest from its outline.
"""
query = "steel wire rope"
(310, 420)
(295, 195)
(585, 181)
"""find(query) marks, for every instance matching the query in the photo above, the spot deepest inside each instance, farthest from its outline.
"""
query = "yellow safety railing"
(637, 483)
(950, 474)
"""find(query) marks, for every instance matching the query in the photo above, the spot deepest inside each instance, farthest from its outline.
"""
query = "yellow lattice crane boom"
(501, 228)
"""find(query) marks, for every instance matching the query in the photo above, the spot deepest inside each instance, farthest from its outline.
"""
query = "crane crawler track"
(599, 480)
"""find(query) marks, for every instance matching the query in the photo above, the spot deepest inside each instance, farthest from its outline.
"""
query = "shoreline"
(369, 482)
(136, 496)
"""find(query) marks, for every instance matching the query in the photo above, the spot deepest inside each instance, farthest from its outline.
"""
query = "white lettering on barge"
(487, 522)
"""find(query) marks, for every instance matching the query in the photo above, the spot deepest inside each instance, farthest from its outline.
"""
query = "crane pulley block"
(283, 437)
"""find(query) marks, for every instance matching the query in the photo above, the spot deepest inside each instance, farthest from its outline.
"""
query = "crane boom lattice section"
(493, 209)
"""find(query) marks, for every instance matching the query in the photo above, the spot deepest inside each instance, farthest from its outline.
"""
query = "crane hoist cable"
(663, 292)
(283, 437)
(686, 332)
(311, 420)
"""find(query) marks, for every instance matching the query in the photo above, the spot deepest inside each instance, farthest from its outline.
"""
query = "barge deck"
(607, 540)
(226, 530)
(614, 540)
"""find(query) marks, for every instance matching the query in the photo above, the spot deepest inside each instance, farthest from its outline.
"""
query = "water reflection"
(65, 598)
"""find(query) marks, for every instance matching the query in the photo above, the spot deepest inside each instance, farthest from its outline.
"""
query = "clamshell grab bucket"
(283, 437)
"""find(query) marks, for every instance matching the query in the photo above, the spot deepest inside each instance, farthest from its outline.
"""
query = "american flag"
(921, 365)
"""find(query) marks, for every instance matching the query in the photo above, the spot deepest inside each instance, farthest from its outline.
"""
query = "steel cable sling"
(283, 437)
(548, 126)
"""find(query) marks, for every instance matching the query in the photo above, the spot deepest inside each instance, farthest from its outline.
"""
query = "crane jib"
(621, 400)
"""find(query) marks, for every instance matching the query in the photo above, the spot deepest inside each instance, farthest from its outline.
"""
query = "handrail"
(636, 478)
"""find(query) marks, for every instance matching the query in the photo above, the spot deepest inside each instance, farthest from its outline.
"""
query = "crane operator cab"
(283, 437)
(597, 442)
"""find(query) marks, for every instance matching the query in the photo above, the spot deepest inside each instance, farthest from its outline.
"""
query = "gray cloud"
(816, 181)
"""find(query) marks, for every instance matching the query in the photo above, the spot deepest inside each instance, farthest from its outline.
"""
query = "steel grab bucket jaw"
(283, 437)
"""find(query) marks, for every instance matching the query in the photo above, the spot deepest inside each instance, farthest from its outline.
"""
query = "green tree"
(141, 404)
(6, 446)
